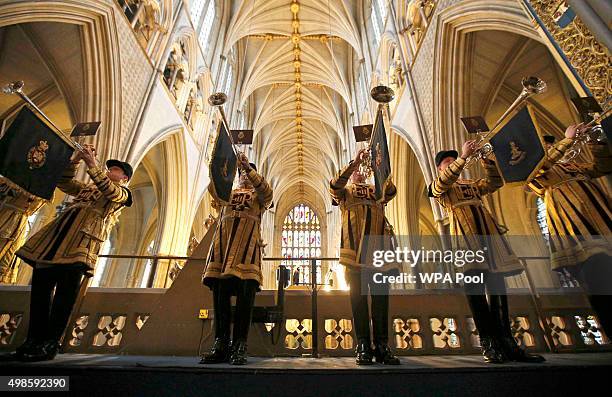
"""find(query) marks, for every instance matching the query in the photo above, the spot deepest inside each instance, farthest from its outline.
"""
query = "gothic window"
(102, 262)
(378, 16)
(360, 94)
(228, 80)
(197, 6)
(31, 222)
(541, 218)
(129, 8)
(381, 8)
(301, 238)
(207, 25)
(565, 278)
(148, 266)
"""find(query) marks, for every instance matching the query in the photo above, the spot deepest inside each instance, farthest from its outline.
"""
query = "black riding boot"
(361, 319)
(380, 325)
(503, 333)
(49, 312)
(242, 321)
(220, 351)
(596, 277)
(482, 318)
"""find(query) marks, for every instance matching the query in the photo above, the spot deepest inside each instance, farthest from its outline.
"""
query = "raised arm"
(556, 153)
(492, 180)
(262, 187)
(105, 185)
(338, 183)
(67, 183)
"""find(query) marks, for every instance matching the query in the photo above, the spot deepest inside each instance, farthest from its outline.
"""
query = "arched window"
(197, 6)
(378, 17)
(541, 218)
(301, 238)
(148, 266)
(207, 25)
(382, 10)
(360, 94)
(228, 80)
(565, 278)
(102, 262)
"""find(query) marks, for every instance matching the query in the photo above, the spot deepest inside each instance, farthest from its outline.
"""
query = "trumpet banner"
(518, 147)
(223, 165)
(32, 155)
(379, 155)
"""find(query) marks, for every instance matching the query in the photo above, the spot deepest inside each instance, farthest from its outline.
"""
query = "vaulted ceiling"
(295, 60)
(52, 70)
(498, 61)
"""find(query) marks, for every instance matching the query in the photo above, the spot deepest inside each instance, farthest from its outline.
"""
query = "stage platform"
(93, 375)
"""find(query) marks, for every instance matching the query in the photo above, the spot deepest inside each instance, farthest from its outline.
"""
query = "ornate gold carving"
(590, 59)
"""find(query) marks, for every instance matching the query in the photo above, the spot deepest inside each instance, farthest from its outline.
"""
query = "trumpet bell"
(13, 87)
(217, 99)
(533, 85)
(382, 94)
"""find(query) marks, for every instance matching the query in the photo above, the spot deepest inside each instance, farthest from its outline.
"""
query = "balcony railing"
(178, 320)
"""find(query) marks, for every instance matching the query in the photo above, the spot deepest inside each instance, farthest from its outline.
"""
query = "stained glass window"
(301, 238)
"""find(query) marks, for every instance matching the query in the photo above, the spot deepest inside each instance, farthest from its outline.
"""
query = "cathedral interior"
(299, 74)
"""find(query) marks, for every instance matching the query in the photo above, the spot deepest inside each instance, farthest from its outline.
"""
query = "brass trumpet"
(16, 87)
(593, 133)
(217, 100)
(531, 86)
(382, 95)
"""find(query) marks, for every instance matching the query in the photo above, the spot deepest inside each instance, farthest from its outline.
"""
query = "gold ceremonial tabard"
(15, 208)
(237, 244)
(75, 236)
(470, 221)
(578, 212)
(363, 219)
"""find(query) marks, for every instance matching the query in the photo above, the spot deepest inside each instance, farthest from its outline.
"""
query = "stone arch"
(162, 169)
(505, 34)
(102, 79)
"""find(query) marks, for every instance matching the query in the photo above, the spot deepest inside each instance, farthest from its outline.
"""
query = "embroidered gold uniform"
(578, 212)
(15, 208)
(75, 236)
(236, 248)
(471, 223)
(363, 219)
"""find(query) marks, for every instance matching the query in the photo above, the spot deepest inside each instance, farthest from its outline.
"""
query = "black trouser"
(245, 291)
(379, 294)
(489, 305)
(49, 311)
(596, 278)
